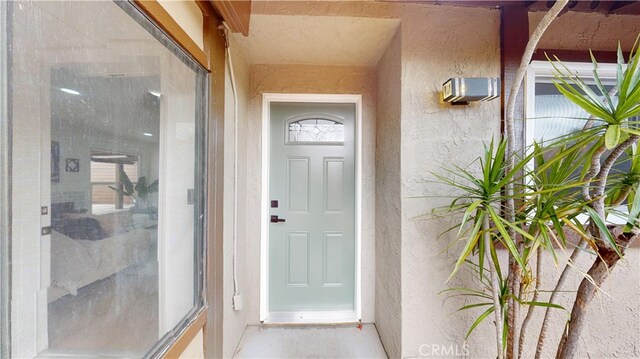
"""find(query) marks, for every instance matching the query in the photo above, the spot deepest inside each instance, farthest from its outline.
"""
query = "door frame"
(267, 99)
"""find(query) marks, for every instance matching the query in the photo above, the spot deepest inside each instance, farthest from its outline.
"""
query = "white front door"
(312, 208)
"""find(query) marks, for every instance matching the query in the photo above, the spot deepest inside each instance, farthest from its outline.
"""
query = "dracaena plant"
(571, 178)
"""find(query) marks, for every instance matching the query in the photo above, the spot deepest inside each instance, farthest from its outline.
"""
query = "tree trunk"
(513, 277)
(563, 276)
(602, 266)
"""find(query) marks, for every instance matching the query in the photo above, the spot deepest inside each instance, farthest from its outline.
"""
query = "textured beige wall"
(234, 321)
(460, 43)
(576, 30)
(188, 15)
(613, 324)
(320, 80)
(388, 208)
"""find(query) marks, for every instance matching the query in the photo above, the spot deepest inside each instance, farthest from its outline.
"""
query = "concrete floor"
(343, 341)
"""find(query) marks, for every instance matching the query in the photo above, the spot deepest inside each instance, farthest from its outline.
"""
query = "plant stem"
(513, 278)
(601, 178)
(623, 195)
(495, 286)
(527, 318)
(563, 276)
(594, 168)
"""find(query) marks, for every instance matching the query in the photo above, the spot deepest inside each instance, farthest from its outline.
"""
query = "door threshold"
(312, 317)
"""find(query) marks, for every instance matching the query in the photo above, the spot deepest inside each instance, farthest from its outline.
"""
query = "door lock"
(275, 219)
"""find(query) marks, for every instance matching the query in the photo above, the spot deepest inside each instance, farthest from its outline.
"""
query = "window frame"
(196, 61)
(544, 69)
(118, 198)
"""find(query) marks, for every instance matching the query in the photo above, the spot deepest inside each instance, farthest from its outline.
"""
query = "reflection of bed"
(78, 262)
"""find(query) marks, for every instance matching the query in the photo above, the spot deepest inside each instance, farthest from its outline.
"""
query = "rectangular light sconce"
(462, 90)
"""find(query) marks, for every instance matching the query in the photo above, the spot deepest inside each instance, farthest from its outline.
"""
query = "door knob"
(275, 219)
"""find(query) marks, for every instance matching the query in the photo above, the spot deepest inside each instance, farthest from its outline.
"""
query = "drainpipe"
(237, 298)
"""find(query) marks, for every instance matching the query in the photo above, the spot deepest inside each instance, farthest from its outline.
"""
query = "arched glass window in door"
(315, 130)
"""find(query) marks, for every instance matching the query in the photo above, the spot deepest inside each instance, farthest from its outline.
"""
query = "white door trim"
(267, 99)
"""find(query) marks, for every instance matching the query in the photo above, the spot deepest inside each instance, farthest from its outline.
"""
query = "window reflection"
(107, 129)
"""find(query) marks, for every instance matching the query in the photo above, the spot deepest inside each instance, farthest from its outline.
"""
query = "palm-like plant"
(138, 192)
(482, 225)
(571, 177)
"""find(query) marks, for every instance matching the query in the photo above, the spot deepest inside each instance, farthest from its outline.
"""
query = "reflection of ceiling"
(316, 40)
(111, 106)
(82, 33)
(113, 68)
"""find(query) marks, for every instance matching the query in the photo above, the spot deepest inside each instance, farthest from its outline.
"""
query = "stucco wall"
(320, 80)
(576, 30)
(612, 321)
(436, 135)
(388, 211)
(234, 321)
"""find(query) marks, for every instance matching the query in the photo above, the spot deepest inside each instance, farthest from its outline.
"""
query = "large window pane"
(108, 172)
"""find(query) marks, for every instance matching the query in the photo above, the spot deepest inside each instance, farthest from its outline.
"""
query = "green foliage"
(613, 114)
(550, 182)
(138, 193)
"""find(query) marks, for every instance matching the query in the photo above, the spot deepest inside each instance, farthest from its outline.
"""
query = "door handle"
(275, 219)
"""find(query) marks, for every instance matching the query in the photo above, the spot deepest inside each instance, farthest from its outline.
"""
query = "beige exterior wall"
(388, 207)
(309, 79)
(433, 136)
(234, 321)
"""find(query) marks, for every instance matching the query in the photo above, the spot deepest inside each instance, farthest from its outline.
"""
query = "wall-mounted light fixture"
(462, 90)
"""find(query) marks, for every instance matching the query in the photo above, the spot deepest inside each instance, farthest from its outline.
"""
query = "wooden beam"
(214, 45)
(616, 5)
(603, 7)
(206, 8)
(163, 19)
(236, 14)
(577, 55)
(625, 8)
(514, 35)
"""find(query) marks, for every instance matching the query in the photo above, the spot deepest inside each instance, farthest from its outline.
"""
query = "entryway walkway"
(339, 341)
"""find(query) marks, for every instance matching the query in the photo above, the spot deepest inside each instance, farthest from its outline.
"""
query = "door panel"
(312, 176)
(298, 184)
(333, 184)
